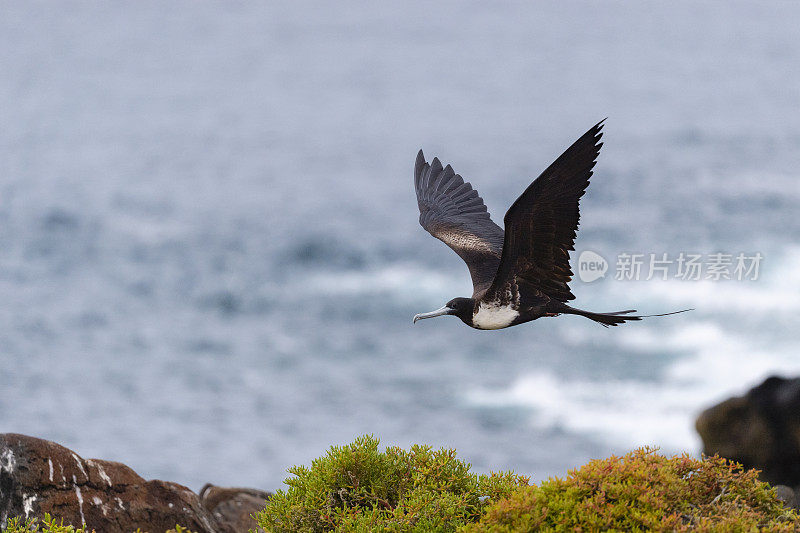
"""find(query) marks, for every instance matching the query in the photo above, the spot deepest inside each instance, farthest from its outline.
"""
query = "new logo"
(591, 266)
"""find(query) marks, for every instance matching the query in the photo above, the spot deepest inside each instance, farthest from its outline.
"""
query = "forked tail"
(612, 319)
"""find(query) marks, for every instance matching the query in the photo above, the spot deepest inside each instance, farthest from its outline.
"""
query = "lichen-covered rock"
(39, 476)
(759, 430)
(786, 495)
(234, 506)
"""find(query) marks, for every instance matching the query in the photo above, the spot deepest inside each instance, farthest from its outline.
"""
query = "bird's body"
(494, 315)
(522, 273)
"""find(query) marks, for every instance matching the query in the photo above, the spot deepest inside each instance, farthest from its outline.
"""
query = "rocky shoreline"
(759, 430)
(38, 476)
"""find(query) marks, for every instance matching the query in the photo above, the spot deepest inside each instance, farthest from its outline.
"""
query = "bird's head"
(460, 307)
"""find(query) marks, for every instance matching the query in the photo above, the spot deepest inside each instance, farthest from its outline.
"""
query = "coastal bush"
(643, 491)
(359, 488)
(48, 525)
(51, 525)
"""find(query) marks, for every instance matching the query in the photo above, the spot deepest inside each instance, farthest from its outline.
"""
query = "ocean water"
(209, 248)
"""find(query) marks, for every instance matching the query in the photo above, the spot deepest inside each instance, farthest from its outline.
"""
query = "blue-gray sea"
(209, 247)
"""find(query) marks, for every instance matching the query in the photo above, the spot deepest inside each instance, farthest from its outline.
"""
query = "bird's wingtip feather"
(597, 129)
(419, 165)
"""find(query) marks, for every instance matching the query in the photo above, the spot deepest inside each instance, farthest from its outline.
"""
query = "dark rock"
(786, 495)
(234, 506)
(39, 476)
(759, 430)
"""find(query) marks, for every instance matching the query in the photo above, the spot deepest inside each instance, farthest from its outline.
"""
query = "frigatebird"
(522, 273)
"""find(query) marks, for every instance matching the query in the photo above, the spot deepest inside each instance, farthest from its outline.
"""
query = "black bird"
(523, 273)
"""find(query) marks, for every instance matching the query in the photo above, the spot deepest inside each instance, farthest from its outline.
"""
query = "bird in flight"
(522, 273)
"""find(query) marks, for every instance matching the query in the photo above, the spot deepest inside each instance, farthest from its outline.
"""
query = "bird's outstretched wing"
(541, 226)
(451, 210)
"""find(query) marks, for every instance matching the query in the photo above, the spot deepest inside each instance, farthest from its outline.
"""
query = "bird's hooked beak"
(439, 312)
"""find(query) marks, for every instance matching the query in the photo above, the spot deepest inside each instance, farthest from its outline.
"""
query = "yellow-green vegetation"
(644, 491)
(51, 525)
(359, 488)
(48, 525)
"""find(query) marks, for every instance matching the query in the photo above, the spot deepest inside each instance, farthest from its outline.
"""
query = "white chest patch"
(493, 316)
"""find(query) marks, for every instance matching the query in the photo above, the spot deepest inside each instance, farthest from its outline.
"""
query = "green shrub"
(644, 491)
(48, 525)
(358, 488)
